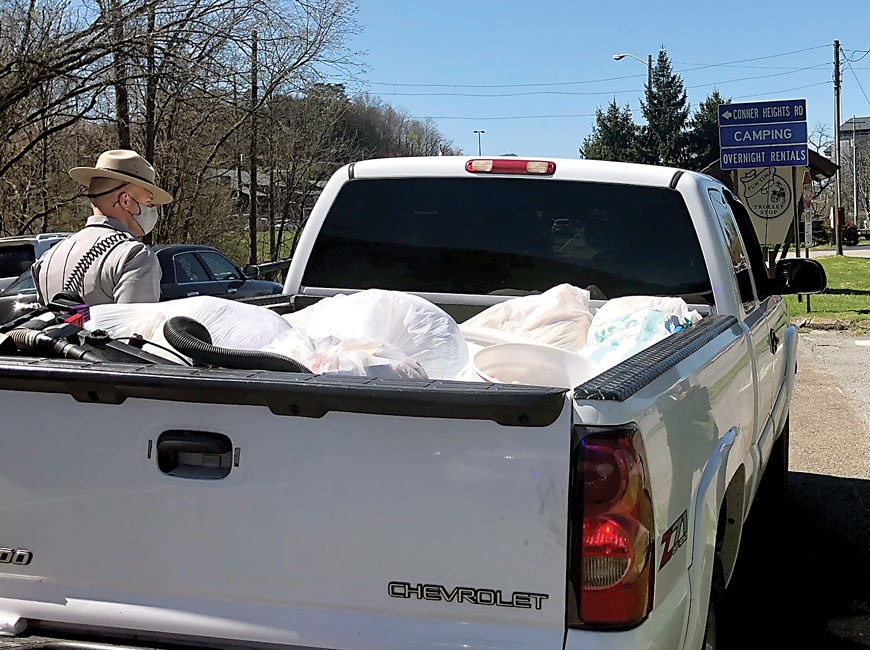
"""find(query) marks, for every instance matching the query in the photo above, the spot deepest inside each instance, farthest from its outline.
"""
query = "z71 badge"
(17, 556)
(674, 538)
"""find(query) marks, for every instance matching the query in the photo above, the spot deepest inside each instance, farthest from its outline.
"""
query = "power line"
(765, 76)
(863, 53)
(570, 115)
(505, 117)
(582, 82)
(858, 81)
(757, 58)
(529, 93)
(748, 67)
(519, 94)
(785, 90)
(494, 86)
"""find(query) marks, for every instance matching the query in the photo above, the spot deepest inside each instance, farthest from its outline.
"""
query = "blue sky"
(485, 61)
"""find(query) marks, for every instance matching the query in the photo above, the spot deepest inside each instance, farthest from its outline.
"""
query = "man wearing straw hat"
(105, 261)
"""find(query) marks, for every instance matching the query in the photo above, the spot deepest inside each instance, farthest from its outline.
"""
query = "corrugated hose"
(192, 339)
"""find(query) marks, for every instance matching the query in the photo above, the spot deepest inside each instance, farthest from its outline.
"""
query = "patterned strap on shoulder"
(75, 282)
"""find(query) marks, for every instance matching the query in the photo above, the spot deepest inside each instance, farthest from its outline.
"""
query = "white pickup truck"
(145, 502)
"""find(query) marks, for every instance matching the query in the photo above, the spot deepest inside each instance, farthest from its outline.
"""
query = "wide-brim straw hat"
(123, 165)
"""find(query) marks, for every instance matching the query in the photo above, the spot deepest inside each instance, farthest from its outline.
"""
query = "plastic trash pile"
(375, 333)
(553, 338)
(561, 320)
(372, 333)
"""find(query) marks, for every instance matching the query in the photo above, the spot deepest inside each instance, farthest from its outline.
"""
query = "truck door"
(757, 310)
(775, 316)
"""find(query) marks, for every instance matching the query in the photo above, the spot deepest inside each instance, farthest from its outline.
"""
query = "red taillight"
(604, 472)
(610, 566)
(510, 166)
(607, 552)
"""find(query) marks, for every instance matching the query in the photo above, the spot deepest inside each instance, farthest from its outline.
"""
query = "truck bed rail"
(623, 380)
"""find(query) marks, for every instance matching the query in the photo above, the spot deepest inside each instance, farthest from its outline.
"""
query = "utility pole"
(854, 173)
(837, 143)
(649, 72)
(253, 155)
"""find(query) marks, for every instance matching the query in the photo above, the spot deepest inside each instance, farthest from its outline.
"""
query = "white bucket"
(529, 363)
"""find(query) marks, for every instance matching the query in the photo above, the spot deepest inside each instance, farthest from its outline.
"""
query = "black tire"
(772, 494)
(714, 630)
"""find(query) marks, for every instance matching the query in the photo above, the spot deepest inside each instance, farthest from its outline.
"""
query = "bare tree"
(821, 140)
(309, 147)
(293, 39)
(173, 79)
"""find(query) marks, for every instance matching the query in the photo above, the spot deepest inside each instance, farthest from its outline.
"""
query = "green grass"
(847, 297)
(238, 246)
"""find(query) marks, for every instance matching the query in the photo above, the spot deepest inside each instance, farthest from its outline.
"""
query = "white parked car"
(17, 254)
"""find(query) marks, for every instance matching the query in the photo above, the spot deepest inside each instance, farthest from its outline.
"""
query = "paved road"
(862, 250)
(806, 579)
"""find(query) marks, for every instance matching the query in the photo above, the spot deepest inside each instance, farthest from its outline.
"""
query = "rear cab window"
(481, 236)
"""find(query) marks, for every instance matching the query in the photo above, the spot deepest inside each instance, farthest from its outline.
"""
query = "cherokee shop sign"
(769, 197)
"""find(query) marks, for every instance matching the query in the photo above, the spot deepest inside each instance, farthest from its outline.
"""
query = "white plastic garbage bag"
(628, 304)
(12, 625)
(347, 356)
(421, 330)
(231, 324)
(559, 317)
(626, 335)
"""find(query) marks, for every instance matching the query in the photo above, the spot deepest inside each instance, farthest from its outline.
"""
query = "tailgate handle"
(194, 454)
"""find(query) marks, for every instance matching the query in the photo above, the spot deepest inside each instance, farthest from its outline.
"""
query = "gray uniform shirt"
(102, 263)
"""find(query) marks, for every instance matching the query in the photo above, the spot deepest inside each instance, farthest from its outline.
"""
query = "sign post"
(763, 142)
(807, 196)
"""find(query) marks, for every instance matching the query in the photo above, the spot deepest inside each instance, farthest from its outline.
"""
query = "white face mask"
(147, 218)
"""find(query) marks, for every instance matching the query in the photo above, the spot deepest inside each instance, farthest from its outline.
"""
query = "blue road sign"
(785, 155)
(753, 135)
(763, 134)
(786, 110)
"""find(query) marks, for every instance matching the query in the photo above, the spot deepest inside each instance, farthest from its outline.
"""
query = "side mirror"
(798, 275)
(252, 271)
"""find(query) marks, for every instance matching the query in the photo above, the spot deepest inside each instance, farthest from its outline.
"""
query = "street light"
(479, 132)
(647, 63)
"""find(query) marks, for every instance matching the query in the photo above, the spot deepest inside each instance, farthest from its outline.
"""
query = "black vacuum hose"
(30, 339)
(192, 339)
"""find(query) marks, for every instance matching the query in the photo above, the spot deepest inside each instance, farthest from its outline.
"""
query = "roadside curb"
(814, 323)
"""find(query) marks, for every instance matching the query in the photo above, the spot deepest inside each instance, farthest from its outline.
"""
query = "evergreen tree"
(666, 110)
(703, 134)
(614, 136)
(669, 137)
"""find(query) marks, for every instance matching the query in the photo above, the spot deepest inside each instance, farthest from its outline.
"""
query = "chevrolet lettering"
(470, 595)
